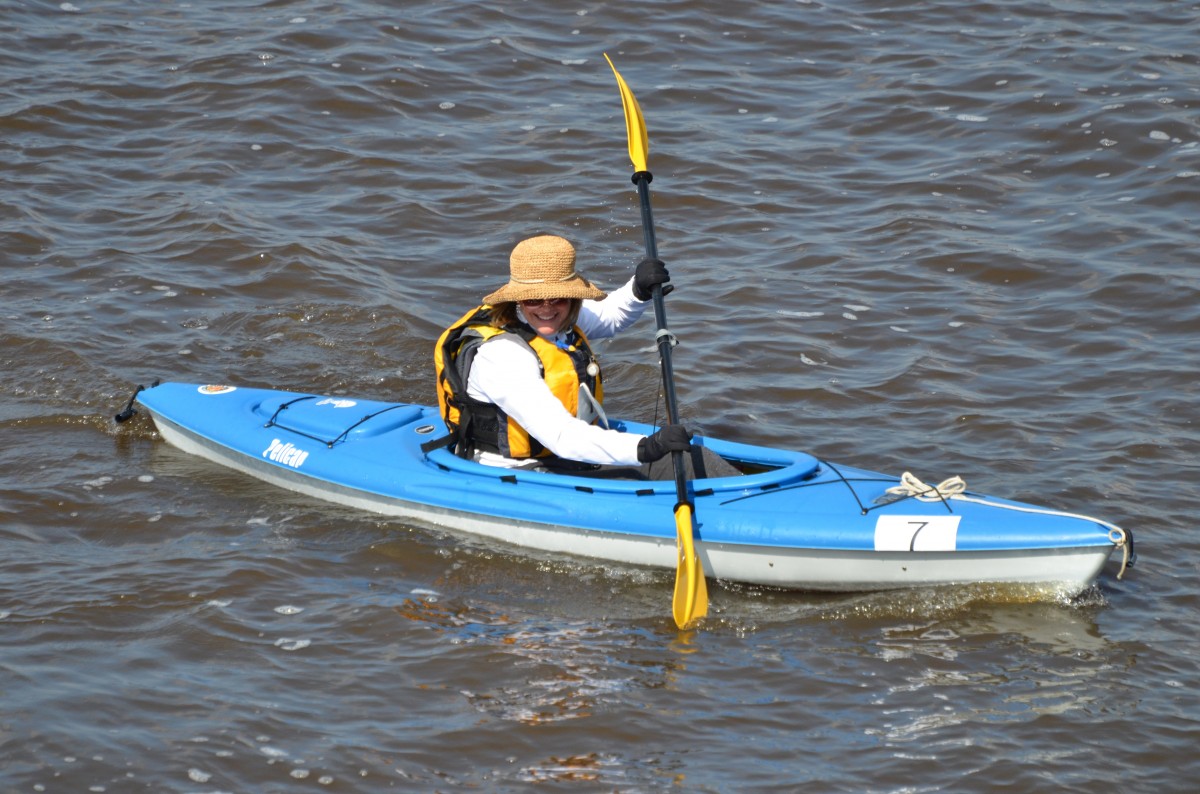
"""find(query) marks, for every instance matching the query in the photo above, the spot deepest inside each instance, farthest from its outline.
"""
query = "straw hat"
(543, 267)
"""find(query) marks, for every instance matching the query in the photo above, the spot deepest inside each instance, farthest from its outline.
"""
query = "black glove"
(650, 271)
(672, 438)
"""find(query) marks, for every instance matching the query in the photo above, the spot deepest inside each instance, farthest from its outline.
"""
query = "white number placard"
(916, 533)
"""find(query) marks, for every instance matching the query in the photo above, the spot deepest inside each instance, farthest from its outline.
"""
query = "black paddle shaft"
(664, 338)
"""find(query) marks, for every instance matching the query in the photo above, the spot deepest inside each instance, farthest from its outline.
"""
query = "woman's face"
(546, 316)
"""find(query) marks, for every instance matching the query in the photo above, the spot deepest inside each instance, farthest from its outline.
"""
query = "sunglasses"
(556, 302)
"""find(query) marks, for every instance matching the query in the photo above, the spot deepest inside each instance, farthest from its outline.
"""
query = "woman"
(517, 380)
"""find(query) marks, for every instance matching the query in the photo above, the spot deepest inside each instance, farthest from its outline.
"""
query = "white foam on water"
(298, 20)
(787, 313)
(145, 478)
(1159, 135)
(290, 644)
(288, 609)
(99, 482)
(970, 117)
(68, 6)
(446, 105)
(198, 776)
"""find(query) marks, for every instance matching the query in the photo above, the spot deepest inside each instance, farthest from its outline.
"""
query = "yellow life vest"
(474, 424)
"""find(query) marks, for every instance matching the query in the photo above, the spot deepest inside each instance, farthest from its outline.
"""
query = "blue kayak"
(792, 521)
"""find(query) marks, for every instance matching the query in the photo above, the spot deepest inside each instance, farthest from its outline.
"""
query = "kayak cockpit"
(771, 468)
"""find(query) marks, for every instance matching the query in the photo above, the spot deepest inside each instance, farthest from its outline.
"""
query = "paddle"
(691, 593)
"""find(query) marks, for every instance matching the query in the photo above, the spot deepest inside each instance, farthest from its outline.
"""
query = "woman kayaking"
(518, 383)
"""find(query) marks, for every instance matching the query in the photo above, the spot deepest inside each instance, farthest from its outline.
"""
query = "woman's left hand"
(650, 272)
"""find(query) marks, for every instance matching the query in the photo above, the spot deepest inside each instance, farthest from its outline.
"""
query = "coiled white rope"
(955, 487)
(910, 485)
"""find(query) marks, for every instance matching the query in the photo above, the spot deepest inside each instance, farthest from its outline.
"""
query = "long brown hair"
(505, 314)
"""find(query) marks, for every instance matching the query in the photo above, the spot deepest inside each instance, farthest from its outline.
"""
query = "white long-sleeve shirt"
(505, 372)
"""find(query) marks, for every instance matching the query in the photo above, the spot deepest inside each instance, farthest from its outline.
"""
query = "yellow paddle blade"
(691, 592)
(635, 125)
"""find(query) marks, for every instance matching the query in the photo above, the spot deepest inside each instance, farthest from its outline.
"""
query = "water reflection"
(542, 673)
(991, 664)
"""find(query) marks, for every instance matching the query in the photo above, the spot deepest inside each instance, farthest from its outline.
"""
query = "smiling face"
(547, 317)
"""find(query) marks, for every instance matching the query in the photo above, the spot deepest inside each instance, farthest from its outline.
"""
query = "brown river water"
(945, 237)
